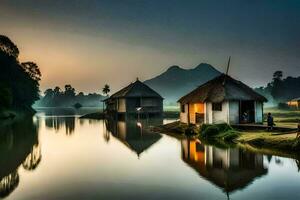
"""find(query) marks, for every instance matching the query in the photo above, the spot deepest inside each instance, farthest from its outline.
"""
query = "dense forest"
(281, 90)
(19, 81)
(68, 98)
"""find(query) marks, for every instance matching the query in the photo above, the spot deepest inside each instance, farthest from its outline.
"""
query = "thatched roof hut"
(135, 95)
(222, 93)
(136, 89)
(222, 88)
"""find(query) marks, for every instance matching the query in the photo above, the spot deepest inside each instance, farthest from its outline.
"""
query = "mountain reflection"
(229, 169)
(18, 147)
(134, 133)
(57, 123)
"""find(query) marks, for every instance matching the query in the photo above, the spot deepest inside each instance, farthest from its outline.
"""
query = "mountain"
(176, 81)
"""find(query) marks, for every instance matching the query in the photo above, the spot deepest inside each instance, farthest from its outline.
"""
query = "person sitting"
(270, 122)
(245, 117)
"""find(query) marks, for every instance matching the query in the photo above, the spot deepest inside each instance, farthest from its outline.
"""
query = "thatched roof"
(221, 88)
(296, 99)
(136, 89)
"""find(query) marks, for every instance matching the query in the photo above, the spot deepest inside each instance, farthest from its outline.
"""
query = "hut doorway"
(196, 113)
(247, 112)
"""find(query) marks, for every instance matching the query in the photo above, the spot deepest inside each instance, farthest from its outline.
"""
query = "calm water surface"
(59, 156)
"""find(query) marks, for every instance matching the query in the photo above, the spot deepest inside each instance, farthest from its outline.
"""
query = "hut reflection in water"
(135, 134)
(229, 169)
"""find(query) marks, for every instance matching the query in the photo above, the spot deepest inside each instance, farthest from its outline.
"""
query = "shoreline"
(267, 142)
(100, 115)
(10, 116)
(271, 143)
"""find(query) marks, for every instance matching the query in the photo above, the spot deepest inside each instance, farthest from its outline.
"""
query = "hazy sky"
(90, 43)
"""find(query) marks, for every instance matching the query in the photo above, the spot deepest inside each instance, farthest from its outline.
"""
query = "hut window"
(182, 108)
(217, 106)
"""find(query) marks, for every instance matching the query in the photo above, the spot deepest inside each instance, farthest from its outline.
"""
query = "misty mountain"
(176, 81)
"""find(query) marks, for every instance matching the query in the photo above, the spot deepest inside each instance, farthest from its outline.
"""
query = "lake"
(56, 155)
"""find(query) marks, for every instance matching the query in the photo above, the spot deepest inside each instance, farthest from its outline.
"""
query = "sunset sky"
(90, 43)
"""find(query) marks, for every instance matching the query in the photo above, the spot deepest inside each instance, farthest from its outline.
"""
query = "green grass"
(285, 142)
(284, 118)
(218, 131)
(171, 108)
(223, 135)
(269, 143)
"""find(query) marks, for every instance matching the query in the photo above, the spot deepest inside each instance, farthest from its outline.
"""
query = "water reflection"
(87, 158)
(229, 169)
(33, 159)
(18, 147)
(134, 134)
(9, 183)
(66, 112)
(57, 123)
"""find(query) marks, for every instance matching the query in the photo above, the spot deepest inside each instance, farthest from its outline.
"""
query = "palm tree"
(106, 89)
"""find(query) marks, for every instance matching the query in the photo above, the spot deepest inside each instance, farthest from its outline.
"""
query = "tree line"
(280, 89)
(68, 97)
(19, 81)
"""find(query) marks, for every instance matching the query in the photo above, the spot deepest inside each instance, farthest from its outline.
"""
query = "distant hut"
(135, 98)
(294, 103)
(222, 100)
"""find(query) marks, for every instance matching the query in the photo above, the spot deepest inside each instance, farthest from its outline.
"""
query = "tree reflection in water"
(106, 132)
(18, 147)
(33, 159)
(297, 161)
(278, 161)
(9, 183)
(57, 123)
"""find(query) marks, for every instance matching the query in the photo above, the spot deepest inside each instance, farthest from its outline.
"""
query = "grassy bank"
(269, 151)
(284, 118)
(174, 129)
(284, 143)
(222, 132)
(224, 135)
(206, 132)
